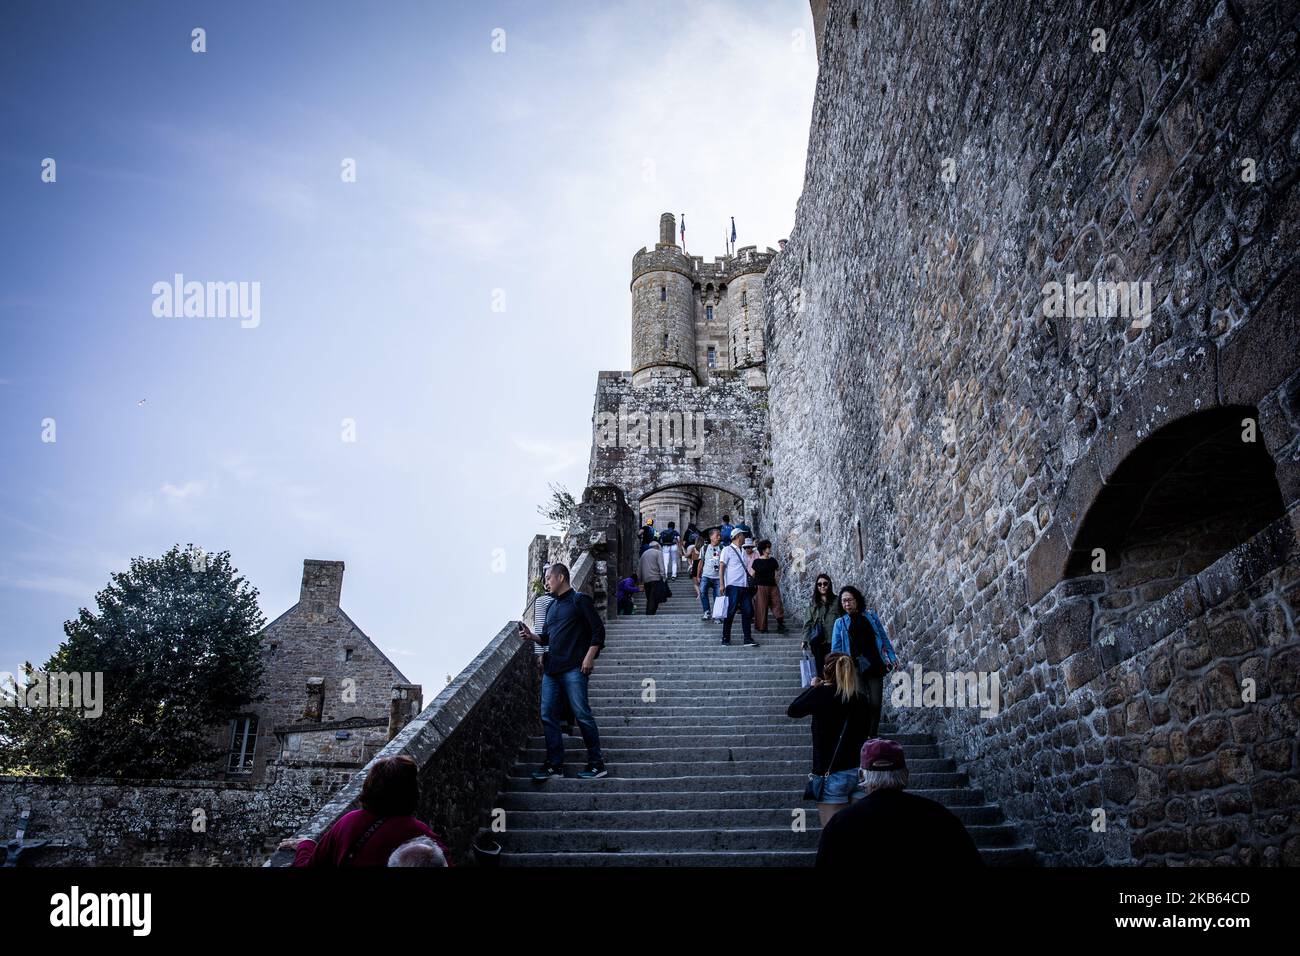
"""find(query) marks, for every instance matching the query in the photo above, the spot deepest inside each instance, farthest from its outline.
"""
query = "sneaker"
(546, 772)
(726, 643)
(751, 643)
(705, 617)
(592, 771)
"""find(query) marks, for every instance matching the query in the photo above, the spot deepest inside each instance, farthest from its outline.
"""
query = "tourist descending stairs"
(705, 768)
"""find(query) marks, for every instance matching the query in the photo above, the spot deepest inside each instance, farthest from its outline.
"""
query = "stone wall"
(940, 438)
(720, 445)
(111, 822)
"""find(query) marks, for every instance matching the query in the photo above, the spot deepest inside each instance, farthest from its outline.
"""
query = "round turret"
(663, 308)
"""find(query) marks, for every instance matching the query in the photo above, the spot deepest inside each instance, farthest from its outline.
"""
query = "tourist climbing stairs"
(705, 768)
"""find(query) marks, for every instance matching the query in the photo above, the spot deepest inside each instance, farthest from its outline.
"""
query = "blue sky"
(527, 178)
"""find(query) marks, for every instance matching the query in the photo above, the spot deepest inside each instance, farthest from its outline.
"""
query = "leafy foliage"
(177, 641)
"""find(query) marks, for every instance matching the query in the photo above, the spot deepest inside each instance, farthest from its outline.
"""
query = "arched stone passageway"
(701, 504)
(1187, 495)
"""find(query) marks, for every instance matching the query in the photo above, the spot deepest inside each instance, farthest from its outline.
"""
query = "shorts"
(842, 787)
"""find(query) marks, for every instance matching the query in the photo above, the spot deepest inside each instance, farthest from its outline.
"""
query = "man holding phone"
(573, 636)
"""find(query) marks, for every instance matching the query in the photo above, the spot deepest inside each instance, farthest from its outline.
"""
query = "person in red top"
(386, 820)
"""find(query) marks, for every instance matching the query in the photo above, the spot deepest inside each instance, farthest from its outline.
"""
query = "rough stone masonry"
(1100, 508)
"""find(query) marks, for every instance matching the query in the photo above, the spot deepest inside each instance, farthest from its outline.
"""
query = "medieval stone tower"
(683, 434)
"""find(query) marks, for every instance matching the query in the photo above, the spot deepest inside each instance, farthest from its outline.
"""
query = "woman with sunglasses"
(823, 611)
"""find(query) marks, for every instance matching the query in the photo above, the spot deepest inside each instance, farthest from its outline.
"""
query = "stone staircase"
(710, 772)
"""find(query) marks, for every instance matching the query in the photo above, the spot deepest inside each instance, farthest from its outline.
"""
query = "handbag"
(720, 607)
(816, 786)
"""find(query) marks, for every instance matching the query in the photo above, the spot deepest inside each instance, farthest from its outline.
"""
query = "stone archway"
(702, 503)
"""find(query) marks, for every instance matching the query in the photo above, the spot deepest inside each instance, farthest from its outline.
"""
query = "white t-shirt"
(734, 570)
(711, 556)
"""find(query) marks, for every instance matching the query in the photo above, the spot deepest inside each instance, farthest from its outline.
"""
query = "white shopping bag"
(720, 608)
(807, 667)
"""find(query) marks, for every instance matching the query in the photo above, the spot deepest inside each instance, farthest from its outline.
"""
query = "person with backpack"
(823, 611)
(859, 634)
(708, 572)
(648, 534)
(668, 542)
(726, 528)
(841, 721)
(735, 581)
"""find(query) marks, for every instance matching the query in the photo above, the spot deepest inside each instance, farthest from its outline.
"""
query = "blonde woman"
(841, 715)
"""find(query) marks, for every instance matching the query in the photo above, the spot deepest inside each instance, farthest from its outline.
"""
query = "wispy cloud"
(557, 455)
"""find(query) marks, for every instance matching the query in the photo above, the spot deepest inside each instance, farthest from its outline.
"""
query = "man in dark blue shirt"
(573, 635)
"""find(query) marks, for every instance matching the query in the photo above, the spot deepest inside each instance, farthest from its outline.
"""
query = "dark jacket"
(893, 828)
(573, 626)
(825, 614)
(828, 717)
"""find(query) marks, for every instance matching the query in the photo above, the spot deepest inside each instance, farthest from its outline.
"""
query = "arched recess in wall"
(703, 503)
(1187, 495)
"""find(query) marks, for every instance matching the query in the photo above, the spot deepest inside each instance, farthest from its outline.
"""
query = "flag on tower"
(683, 232)
(733, 234)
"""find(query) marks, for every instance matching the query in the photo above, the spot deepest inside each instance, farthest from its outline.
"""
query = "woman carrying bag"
(840, 712)
(823, 611)
(859, 634)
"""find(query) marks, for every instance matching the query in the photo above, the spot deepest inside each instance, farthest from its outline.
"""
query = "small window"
(713, 357)
(665, 341)
(708, 313)
(744, 297)
(270, 651)
(663, 293)
(243, 744)
(347, 653)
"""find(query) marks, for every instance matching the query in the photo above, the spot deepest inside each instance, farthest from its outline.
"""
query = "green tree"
(177, 640)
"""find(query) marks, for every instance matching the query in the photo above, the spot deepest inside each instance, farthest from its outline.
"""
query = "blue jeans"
(708, 586)
(738, 596)
(573, 685)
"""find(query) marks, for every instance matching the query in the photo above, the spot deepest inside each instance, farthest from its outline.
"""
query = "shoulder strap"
(836, 752)
(362, 841)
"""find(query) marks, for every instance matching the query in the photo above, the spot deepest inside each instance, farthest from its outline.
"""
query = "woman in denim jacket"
(859, 634)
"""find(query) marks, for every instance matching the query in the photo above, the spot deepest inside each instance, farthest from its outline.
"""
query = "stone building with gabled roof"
(330, 696)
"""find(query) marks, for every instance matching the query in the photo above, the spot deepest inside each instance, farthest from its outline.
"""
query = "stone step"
(781, 837)
(778, 814)
(609, 708)
(717, 773)
(767, 684)
(617, 759)
(778, 705)
(791, 795)
(992, 856)
(628, 743)
(519, 780)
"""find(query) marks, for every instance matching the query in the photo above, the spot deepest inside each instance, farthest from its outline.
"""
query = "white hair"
(873, 780)
(420, 851)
